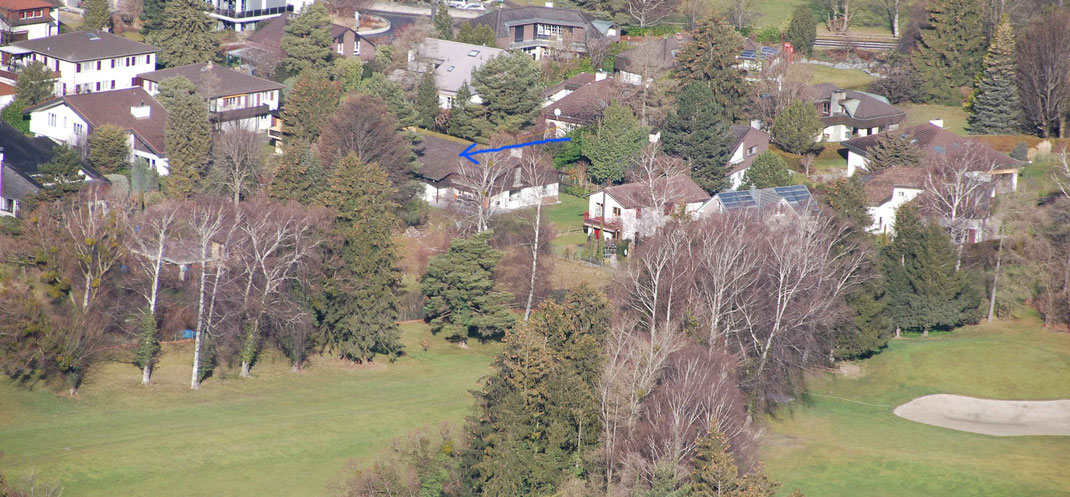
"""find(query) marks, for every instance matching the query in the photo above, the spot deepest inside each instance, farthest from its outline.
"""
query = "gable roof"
(798, 197)
(454, 61)
(82, 46)
(213, 80)
(880, 185)
(681, 188)
(11, 5)
(931, 139)
(113, 107)
(585, 104)
(22, 152)
(15, 184)
(270, 34)
(502, 19)
(859, 109)
(751, 137)
(662, 53)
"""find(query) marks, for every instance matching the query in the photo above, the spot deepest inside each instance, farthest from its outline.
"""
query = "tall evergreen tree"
(478, 35)
(108, 152)
(307, 40)
(710, 58)
(442, 21)
(152, 15)
(312, 101)
(97, 16)
(796, 128)
(924, 291)
(463, 122)
(615, 144)
(510, 86)
(894, 150)
(802, 31)
(459, 285)
(393, 95)
(870, 326)
(697, 131)
(767, 170)
(170, 87)
(187, 138)
(36, 83)
(427, 100)
(950, 50)
(995, 108)
(847, 196)
(186, 35)
(298, 175)
(361, 296)
(715, 472)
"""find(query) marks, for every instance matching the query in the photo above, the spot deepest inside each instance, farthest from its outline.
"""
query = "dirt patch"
(1001, 418)
(850, 370)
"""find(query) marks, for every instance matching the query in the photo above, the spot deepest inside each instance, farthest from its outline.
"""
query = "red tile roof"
(25, 4)
(931, 139)
(879, 186)
(680, 188)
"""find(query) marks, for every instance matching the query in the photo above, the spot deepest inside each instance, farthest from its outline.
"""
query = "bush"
(12, 114)
(767, 35)
(1020, 152)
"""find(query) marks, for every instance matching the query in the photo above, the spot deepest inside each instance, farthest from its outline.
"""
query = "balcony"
(611, 223)
(239, 114)
(241, 14)
(543, 41)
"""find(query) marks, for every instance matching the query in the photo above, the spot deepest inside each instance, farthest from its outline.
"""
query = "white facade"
(48, 26)
(64, 126)
(106, 74)
(625, 223)
(884, 215)
(260, 123)
(854, 162)
(507, 200)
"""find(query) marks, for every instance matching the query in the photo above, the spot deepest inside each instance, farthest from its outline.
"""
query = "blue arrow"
(468, 153)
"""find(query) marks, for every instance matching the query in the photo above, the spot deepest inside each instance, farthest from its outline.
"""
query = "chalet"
(887, 190)
(777, 201)
(630, 211)
(579, 101)
(452, 63)
(747, 143)
(649, 58)
(70, 119)
(931, 138)
(84, 62)
(235, 100)
(545, 31)
(27, 20)
(848, 113)
(444, 187)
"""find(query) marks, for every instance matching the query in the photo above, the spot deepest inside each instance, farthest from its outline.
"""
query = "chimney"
(936, 121)
(356, 16)
(756, 124)
(834, 101)
(599, 75)
(140, 111)
(550, 5)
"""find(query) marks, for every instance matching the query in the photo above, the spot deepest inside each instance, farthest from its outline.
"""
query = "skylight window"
(473, 53)
(450, 68)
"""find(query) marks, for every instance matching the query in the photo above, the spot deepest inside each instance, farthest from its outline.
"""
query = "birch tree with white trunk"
(148, 235)
(206, 220)
(958, 191)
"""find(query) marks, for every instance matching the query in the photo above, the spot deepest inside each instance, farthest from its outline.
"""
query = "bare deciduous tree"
(741, 13)
(149, 235)
(237, 166)
(890, 10)
(1061, 174)
(208, 221)
(1044, 73)
(533, 170)
(839, 15)
(129, 10)
(958, 187)
(648, 12)
(480, 186)
(93, 220)
(779, 84)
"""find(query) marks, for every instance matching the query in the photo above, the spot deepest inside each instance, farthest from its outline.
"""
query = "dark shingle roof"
(14, 184)
(270, 34)
(113, 107)
(662, 54)
(585, 104)
(503, 19)
(931, 139)
(81, 46)
(213, 80)
(22, 152)
(879, 185)
(440, 157)
(870, 110)
(680, 188)
(752, 138)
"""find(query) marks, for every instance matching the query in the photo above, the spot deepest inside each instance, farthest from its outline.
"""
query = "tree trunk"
(995, 280)
(534, 260)
(146, 374)
(897, 335)
(195, 381)
(925, 332)
(244, 368)
(895, 21)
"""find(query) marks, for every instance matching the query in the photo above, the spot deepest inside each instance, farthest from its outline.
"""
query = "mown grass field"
(279, 433)
(829, 447)
(851, 79)
(954, 117)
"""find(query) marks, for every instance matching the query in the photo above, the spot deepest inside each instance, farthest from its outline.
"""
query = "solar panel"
(748, 54)
(737, 200)
(769, 51)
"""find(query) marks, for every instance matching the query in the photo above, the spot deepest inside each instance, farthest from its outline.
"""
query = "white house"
(747, 143)
(931, 138)
(444, 186)
(15, 185)
(628, 212)
(84, 62)
(848, 113)
(887, 190)
(452, 63)
(27, 20)
(71, 119)
(235, 100)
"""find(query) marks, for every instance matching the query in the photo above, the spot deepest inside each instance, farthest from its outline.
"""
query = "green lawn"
(829, 447)
(567, 216)
(954, 117)
(279, 433)
(852, 79)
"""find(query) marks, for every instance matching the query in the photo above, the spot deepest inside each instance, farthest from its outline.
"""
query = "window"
(78, 67)
(113, 84)
(79, 129)
(113, 63)
(98, 85)
(148, 59)
(7, 205)
(229, 101)
(52, 119)
(752, 150)
(616, 212)
(473, 53)
(99, 65)
(546, 31)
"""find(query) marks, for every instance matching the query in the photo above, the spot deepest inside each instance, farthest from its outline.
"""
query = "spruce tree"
(893, 150)
(767, 170)
(459, 285)
(442, 21)
(97, 16)
(995, 108)
(697, 131)
(427, 100)
(510, 86)
(307, 40)
(950, 50)
(361, 296)
(870, 326)
(615, 144)
(312, 101)
(36, 83)
(797, 127)
(298, 175)
(186, 35)
(187, 139)
(462, 115)
(393, 95)
(847, 196)
(715, 472)
(108, 152)
(924, 291)
(152, 15)
(170, 87)
(710, 58)
(802, 31)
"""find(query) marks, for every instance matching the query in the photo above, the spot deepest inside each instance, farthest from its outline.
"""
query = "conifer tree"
(893, 150)
(995, 108)
(307, 40)
(797, 127)
(847, 196)
(478, 35)
(459, 285)
(186, 34)
(187, 138)
(767, 170)
(107, 149)
(924, 290)
(715, 472)
(697, 131)
(170, 87)
(442, 21)
(615, 144)
(950, 50)
(152, 15)
(462, 115)
(802, 31)
(36, 83)
(393, 95)
(312, 101)
(427, 100)
(298, 175)
(870, 327)
(97, 16)
(710, 58)
(510, 86)
(361, 295)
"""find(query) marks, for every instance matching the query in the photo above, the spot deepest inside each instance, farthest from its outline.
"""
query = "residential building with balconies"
(634, 210)
(545, 31)
(84, 62)
(242, 15)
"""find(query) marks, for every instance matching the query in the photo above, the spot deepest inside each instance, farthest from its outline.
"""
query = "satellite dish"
(557, 112)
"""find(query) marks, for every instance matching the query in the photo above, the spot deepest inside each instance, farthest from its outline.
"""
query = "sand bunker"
(1002, 418)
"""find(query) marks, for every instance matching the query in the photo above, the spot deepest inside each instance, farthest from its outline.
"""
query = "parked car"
(474, 6)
